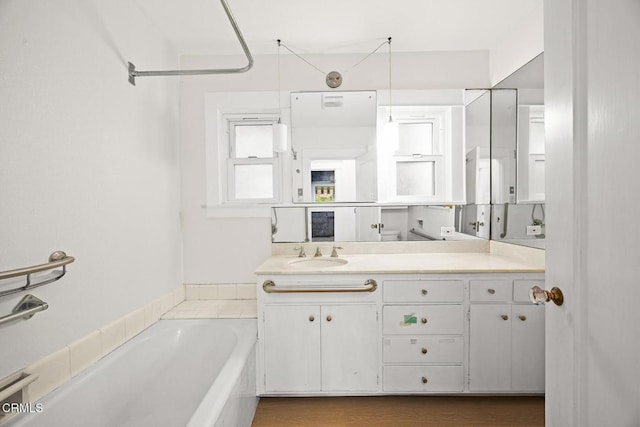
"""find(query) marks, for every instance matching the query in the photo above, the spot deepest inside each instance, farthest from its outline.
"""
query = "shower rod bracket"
(133, 73)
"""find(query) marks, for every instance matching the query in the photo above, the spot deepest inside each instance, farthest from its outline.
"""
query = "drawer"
(423, 319)
(425, 349)
(521, 289)
(423, 378)
(491, 290)
(423, 291)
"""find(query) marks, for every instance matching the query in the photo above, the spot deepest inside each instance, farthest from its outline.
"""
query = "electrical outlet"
(446, 231)
(534, 230)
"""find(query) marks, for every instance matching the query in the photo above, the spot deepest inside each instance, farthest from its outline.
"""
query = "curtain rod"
(133, 73)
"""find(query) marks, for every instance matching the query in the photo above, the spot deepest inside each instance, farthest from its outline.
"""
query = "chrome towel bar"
(26, 308)
(425, 235)
(270, 287)
(56, 259)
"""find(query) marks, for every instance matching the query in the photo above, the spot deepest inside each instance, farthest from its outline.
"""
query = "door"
(292, 348)
(349, 348)
(592, 101)
(490, 347)
(527, 348)
(368, 223)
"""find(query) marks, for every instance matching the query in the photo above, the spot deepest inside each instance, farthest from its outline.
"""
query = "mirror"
(358, 223)
(474, 216)
(518, 157)
(355, 178)
(333, 138)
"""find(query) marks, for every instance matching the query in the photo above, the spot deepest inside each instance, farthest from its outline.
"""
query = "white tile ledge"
(214, 309)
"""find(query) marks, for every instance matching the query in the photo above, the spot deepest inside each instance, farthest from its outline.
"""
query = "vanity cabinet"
(408, 333)
(423, 335)
(320, 348)
(506, 337)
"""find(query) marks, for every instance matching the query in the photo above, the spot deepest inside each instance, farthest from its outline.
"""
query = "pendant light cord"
(279, 106)
(345, 71)
(390, 103)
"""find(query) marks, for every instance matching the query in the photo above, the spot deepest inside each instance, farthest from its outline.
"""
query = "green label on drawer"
(409, 319)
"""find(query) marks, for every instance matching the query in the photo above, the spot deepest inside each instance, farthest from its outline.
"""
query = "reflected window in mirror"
(415, 155)
(531, 153)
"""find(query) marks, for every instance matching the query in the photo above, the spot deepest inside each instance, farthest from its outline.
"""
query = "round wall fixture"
(334, 79)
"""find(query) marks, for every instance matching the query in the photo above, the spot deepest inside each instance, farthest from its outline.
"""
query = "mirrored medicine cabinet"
(467, 168)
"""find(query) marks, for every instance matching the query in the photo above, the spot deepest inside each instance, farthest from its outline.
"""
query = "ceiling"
(339, 26)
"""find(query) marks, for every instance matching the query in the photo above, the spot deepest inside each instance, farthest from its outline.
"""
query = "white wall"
(219, 250)
(520, 45)
(88, 164)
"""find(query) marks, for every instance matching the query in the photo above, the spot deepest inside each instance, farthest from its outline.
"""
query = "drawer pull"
(329, 318)
(522, 317)
(424, 350)
(311, 318)
(424, 292)
(505, 317)
(491, 291)
(424, 380)
(423, 320)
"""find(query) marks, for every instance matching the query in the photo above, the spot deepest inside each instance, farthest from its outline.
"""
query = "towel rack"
(425, 235)
(26, 308)
(270, 287)
(133, 73)
(56, 259)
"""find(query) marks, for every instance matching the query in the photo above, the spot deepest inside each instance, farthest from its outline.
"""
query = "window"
(418, 155)
(253, 169)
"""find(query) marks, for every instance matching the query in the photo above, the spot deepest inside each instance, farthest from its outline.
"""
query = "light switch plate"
(446, 231)
(534, 230)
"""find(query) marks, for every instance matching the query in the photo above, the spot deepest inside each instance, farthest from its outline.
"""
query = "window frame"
(440, 117)
(227, 175)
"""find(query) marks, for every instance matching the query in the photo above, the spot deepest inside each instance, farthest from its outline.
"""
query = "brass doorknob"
(504, 317)
(491, 291)
(423, 320)
(311, 318)
(522, 317)
(424, 292)
(424, 380)
(329, 318)
(424, 350)
(538, 296)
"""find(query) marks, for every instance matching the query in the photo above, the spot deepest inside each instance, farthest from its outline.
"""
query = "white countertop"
(416, 263)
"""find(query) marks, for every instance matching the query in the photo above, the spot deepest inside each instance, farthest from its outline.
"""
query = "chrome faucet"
(301, 254)
(334, 252)
(318, 253)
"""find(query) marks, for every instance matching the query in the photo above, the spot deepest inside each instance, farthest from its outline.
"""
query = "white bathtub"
(192, 373)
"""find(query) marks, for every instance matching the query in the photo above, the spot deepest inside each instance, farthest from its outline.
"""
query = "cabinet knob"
(424, 350)
(522, 317)
(424, 380)
(424, 292)
(329, 318)
(423, 320)
(491, 291)
(311, 318)
(505, 317)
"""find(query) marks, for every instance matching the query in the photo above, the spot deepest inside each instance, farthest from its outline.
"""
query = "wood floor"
(397, 411)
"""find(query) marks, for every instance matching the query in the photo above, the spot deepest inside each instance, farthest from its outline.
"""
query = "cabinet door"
(490, 347)
(349, 348)
(292, 348)
(527, 348)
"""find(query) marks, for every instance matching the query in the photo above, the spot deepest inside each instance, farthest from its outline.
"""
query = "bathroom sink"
(317, 262)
